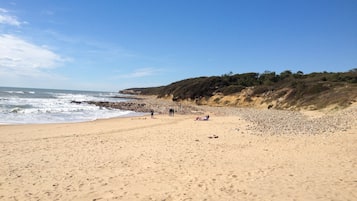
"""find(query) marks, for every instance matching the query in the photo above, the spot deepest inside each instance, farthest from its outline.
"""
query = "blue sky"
(117, 44)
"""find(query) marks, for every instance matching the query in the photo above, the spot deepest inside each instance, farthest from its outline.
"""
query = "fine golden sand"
(174, 158)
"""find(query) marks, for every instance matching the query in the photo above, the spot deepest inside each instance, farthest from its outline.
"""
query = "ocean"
(37, 106)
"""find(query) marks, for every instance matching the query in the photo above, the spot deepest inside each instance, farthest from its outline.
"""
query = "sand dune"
(176, 158)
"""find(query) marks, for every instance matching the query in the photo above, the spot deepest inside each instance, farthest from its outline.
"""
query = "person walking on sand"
(152, 113)
(171, 112)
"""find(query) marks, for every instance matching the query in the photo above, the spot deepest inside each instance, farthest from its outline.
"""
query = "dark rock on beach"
(145, 105)
(137, 107)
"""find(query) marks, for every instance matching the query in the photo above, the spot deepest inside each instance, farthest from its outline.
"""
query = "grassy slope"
(286, 90)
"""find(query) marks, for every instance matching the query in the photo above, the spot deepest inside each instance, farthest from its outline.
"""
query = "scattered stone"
(146, 105)
(213, 136)
(283, 122)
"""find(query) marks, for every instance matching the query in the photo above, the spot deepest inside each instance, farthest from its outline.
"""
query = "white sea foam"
(15, 92)
(53, 106)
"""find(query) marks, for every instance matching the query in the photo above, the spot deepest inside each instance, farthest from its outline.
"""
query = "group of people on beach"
(172, 112)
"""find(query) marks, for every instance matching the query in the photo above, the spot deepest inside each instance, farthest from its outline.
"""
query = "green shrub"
(231, 89)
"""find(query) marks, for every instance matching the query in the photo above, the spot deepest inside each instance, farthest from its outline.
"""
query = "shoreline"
(136, 114)
(240, 154)
(142, 105)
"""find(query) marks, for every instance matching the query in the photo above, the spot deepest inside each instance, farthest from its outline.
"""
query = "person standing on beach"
(152, 113)
(171, 112)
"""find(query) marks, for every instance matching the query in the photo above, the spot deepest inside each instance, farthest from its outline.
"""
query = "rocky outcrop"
(145, 105)
(137, 107)
(130, 92)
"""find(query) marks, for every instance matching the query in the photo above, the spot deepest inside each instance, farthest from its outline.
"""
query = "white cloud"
(23, 63)
(142, 72)
(21, 57)
(5, 18)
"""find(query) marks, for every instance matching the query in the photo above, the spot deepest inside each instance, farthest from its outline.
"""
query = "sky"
(117, 44)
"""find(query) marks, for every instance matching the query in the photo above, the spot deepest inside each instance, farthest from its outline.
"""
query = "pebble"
(283, 122)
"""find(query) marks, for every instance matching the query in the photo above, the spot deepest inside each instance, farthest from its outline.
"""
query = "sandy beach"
(239, 154)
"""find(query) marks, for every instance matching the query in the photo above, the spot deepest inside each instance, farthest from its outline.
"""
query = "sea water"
(34, 106)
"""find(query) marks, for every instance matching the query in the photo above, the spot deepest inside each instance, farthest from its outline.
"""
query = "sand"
(175, 158)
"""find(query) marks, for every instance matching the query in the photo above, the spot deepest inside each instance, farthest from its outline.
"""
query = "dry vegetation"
(286, 90)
